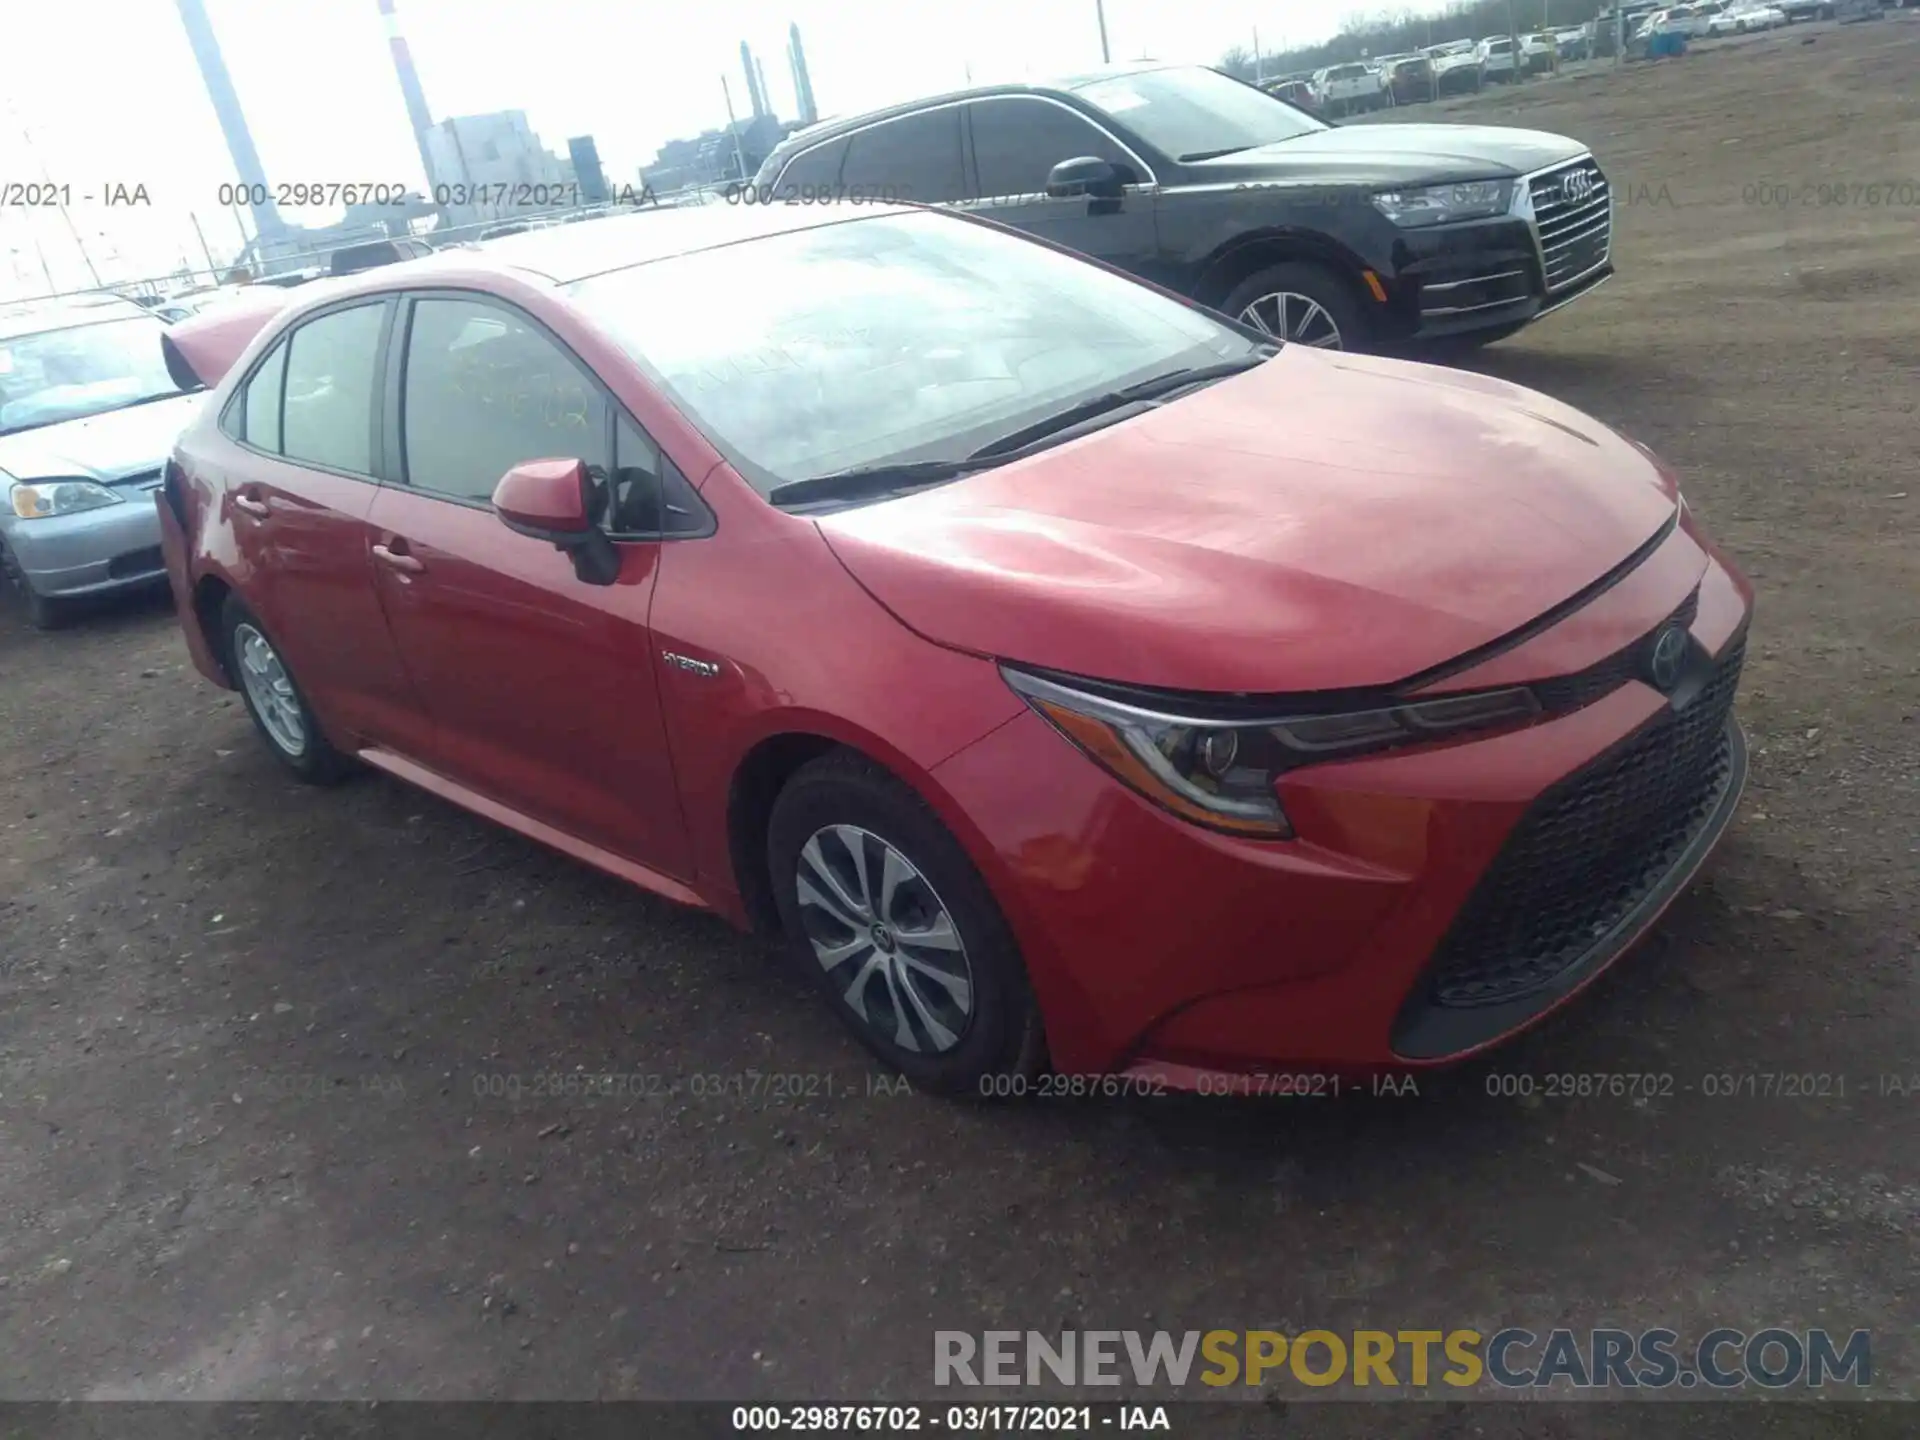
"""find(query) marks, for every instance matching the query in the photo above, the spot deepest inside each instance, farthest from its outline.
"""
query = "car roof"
(1058, 85)
(35, 317)
(563, 254)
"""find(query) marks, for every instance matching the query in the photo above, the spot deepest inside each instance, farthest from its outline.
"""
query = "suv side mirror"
(1087, 175)
(555, 501)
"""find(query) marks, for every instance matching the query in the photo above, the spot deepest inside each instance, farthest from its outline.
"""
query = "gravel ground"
(279, 1114)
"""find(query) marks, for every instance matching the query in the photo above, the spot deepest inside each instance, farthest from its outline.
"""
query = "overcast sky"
(107, 92)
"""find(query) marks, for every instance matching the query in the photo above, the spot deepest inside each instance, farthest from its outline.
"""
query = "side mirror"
(1087, 175)
(555, 501)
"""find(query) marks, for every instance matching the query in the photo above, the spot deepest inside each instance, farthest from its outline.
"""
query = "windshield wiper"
(873, 481)
(868, 481)
(1145, 390)
(1199, 155)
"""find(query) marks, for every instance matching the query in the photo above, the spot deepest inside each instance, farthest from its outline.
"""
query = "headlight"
(1222, 773)
(1438, 204)
(38, 499)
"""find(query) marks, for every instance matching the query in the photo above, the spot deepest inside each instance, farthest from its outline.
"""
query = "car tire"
(1325, 288)
(957, 1017)
(43, 612)
(273, 698)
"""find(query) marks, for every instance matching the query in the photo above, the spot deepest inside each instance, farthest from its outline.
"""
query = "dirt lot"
(272, 1112)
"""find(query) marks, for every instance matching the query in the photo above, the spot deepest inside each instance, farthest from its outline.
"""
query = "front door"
(1017, 140)
(541, 685)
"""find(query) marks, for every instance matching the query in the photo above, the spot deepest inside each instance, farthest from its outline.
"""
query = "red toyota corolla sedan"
(1072, 676)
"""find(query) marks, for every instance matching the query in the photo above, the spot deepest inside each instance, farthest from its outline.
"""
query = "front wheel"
(883, 909)
(1300, 302)
(280, 711)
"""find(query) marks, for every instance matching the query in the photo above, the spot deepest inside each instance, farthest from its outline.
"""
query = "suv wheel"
(1300, 302)
(43, 612)
(882, 908)
(280, 712)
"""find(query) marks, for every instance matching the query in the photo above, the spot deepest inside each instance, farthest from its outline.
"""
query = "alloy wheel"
(270, 689)
(879, 928)
(1293, 317)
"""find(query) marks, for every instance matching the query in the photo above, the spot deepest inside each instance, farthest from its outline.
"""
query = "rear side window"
(916, 157)
(1017, 141)
(260, 407)
(327, 416)
(814, 171)
(486, 389)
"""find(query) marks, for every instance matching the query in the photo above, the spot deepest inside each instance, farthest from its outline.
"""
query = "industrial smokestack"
(416, 98)
(754, 97)
(267, 223)
(766, 95)
(802, 82)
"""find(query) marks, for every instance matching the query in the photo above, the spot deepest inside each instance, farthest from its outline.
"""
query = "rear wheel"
(885, 913)
(43, 612)
(1300, 302)
(280, 711)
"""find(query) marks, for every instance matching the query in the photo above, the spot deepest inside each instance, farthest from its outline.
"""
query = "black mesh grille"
(1588, 851)
(136, 562)
(1573, 208)
(1569, 692)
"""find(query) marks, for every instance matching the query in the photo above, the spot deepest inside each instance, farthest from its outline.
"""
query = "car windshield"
(888, 339)
(1193, 113)
(83, 370)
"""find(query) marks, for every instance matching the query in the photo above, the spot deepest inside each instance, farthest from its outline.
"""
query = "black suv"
(1355, 237)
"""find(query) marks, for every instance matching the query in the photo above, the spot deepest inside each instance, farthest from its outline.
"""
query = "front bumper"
(1158, 948)
(1505, 272)
(95, 552)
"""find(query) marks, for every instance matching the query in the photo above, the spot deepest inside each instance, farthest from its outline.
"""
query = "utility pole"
(1100, 10)
(213, 269)
(733, 129)
(1513, 33)
(1256, 55)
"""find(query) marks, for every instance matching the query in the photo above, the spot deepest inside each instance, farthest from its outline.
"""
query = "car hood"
(1378, 154)
(1324, 522)
(112, 446)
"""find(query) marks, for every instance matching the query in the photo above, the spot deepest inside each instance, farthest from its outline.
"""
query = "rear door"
(1016, 140)
(299, 489)
(542, 686)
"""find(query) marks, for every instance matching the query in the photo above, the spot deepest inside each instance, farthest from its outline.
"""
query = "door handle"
(397, 559)
(247, 505)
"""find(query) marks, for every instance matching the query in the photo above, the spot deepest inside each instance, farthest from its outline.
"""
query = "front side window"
(327, 414)
(1194, 113)
(485, 389)
(86, 369)
(649, 495)
(1017, 142)
(889, 338)
(916, 157)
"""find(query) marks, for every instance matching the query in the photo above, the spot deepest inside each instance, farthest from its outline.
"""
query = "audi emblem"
(1578, 187)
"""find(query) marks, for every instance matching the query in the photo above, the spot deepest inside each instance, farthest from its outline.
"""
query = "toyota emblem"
(1666, 657)
(1577, 187)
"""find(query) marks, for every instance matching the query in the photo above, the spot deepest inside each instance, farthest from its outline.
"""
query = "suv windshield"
(889, 339)
(56, 375)
(1194, 114)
